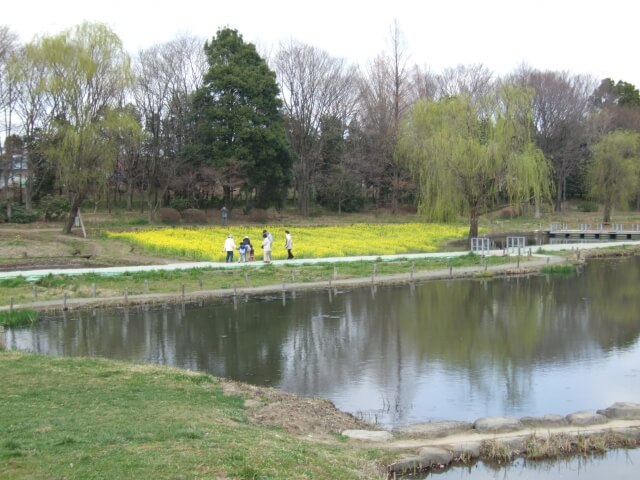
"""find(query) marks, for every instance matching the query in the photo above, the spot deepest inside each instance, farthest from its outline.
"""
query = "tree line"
(214, 122)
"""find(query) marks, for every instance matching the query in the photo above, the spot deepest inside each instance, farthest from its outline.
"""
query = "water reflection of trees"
(492, 333)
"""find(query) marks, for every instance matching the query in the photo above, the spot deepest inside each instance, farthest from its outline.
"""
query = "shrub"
(54, 208)
(344, 197)
(169, 215)
(181, 204)
(193, 215)
(19, 214)
(587, 206)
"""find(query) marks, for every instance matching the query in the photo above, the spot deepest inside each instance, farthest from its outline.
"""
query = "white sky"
(581, 36)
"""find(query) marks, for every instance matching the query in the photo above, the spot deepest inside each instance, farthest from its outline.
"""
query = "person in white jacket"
(266, 248)
(229, 247)
(288, 244)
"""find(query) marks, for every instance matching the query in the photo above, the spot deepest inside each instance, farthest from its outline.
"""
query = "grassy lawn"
(98, 419)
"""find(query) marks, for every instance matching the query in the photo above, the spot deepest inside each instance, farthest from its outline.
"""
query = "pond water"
(459, 349)
(618, 464)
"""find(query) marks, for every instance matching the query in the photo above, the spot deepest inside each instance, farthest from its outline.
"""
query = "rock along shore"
(436, 445)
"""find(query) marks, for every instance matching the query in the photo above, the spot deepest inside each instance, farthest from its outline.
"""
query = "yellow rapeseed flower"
(308, 242)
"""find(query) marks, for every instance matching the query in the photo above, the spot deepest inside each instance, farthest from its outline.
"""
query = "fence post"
(126, 295)
(35, 293)
(146, 286)
(64, 301)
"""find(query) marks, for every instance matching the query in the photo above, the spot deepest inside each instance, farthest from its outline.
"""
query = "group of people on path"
(246, 251)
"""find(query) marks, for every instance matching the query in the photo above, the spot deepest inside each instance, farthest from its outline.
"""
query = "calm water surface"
(441, 350)
(616, 464)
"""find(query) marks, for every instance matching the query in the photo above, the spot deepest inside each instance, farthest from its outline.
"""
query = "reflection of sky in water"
(444, 350)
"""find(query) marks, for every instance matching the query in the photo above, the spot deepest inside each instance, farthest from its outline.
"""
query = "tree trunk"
(73, 213)
(7, 192)
(28, 204)
(559, 195)
(606, 216)
(394, 191)
(129, 196)
(227, 195)
(303, 198)
(473, 222)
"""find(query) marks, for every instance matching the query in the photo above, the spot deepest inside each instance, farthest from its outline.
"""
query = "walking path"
(38, 273)
(541, 255)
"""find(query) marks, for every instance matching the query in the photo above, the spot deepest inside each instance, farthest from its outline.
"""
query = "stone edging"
(438, 444)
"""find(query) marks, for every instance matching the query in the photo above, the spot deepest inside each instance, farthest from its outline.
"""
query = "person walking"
(266, 247)
(224, 214)
(288, 244)
(229, 247)
(269, 236)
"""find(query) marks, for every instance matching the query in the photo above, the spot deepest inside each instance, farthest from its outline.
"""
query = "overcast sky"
(582, 36)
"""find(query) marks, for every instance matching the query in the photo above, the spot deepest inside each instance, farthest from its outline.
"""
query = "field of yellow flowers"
(308, 242)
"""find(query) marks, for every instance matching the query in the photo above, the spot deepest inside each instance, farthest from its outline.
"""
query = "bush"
(169, 215)
(55, 208)
(193, 215)
(181, 204)
(587, 207)
(19, 214)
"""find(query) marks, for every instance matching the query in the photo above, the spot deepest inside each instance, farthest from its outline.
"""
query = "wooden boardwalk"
(598, 232)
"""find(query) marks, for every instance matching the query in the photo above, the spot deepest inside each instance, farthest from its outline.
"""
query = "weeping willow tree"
(613, 172)
(89, 72)
(470, 155)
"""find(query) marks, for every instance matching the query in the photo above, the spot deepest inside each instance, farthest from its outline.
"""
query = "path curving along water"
(540, 256)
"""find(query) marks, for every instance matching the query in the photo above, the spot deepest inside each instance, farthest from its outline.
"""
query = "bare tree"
(385, 96)
(166, 77)
(424, 85)
(474, 81)
(27, 72)
(314, 86)
(612, 110)
(561, 107)
(8, 44)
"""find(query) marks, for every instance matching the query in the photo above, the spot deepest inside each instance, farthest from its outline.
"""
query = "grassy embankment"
(92, 418)
(53, 287)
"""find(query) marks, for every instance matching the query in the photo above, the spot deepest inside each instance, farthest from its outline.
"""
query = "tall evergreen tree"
(239, 125)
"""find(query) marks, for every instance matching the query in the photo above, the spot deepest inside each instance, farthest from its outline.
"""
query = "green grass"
(53, 287)
(565, 269)
(80, 418)
(18, 318)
